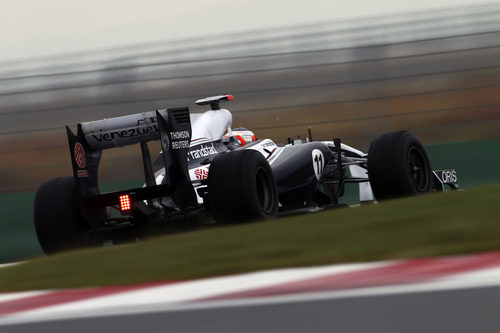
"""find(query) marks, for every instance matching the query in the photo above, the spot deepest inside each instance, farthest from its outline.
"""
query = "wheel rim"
(418, 169)
(265, 193)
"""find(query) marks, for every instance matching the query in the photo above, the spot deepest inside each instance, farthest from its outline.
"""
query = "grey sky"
(30, 28)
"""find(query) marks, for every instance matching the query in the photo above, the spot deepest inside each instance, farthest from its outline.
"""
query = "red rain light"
(230, 97)
(125, 203)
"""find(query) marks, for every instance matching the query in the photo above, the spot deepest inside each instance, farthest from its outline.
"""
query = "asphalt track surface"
(464, 310)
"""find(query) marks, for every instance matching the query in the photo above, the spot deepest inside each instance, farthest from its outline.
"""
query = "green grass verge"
(18, 240)
(435, 224)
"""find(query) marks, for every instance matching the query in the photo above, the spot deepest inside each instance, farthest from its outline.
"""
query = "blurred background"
(352, 71)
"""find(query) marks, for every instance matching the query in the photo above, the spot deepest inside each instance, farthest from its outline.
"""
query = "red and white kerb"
(79, 153)
(125, 203)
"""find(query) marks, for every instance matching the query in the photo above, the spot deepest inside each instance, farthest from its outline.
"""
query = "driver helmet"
(243, 135)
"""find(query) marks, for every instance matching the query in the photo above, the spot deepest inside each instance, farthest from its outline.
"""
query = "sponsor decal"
(204, 150)
(179, 135)
(125, 134)
(176, 139)
(79, 154)
(318, 161)
(201, 173)
(267, 143)
(180, 144)
(447, 176)
(143, 129)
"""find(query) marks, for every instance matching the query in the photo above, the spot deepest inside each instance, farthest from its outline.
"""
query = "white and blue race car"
(210, 171)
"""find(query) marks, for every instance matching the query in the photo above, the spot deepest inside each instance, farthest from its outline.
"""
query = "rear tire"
(241, 187)
(58, 223)
(398, 166)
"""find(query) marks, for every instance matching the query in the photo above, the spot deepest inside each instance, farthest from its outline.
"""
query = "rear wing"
(172, 127)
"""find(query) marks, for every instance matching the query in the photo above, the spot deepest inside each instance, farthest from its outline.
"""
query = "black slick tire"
(58, 224)
(241, 187)
(398, 166)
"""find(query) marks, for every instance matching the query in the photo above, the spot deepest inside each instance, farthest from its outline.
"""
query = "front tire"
(241, 187)
(398, 166)
(58, 223)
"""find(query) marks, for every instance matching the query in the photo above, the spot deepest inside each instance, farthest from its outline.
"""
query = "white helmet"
(243, 135)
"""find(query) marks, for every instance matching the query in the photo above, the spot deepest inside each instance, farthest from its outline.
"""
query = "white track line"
(10, 264)
(178, 293)
(6, 297)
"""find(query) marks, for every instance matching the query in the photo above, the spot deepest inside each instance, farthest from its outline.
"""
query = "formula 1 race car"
(207, 174)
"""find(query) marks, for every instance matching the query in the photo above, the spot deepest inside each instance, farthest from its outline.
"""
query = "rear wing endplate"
(171, 126)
